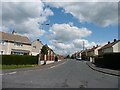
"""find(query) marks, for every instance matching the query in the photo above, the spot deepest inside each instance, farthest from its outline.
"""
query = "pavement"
(103, 70)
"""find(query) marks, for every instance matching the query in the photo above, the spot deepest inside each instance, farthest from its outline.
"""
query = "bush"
(19, 60)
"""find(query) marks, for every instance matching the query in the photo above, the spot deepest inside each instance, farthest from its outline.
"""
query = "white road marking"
(57, 65)
(9, 73)
(52, 66)
(1, 74)
(12, 72)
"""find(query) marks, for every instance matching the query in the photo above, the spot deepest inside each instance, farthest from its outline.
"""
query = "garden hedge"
(19, 60)
(110, 60)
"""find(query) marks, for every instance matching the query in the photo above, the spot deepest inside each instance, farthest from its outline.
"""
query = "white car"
(78, 58)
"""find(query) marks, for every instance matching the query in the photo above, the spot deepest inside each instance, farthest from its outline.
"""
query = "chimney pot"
(108, 42)
(13, 32)
(115, 40)
(37, 39)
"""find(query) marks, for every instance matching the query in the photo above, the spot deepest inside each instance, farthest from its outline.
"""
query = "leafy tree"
(68, 56)
(44, 51)
(56, 58)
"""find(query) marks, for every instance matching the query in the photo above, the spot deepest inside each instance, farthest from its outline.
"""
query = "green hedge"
(19, 60)
(108, 60)
(56, 58)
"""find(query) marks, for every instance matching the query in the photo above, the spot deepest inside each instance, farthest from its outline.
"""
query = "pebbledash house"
(14, 44)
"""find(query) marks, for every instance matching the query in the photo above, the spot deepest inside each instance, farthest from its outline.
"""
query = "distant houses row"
(89, 54)
(21, 45)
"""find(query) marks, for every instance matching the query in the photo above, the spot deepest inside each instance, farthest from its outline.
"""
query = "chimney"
(115, 40)
(38, 40)
(13, 32)
(108, 42)
(93, 46)
(97, 46)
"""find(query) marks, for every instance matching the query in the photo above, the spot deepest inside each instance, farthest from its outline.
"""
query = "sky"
(62, 25)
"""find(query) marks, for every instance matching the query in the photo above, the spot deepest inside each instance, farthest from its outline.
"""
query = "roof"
(38, 41)
(109, 45)
(48, 47)
(14, 38)
(92, 49)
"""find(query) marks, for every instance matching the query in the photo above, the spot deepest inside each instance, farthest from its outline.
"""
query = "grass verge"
(3, 67)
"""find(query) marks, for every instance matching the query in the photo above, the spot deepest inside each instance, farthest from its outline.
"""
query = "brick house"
(50, 57)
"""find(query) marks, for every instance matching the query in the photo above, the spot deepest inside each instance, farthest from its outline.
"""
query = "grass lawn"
(3, 67)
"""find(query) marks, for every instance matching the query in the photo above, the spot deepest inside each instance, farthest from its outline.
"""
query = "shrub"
(19, 60)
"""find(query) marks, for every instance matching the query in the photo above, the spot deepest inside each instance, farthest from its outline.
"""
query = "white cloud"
(62, 48)
(0, 14)
(65, 48)
(20, 11)
(99, 13)
(23, 17)
(20, 1)
(66, 38)
(79, 43)
(65, 32)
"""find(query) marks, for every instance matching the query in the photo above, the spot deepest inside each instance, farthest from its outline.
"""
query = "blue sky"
(70, 23)
(99, 34)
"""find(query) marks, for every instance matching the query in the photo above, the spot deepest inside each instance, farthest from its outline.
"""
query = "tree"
(68, 56)
(44, 51)
(56, 58)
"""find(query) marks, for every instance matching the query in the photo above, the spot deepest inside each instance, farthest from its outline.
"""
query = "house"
(49, 58)
(14, 44)
(113, 47)
(84, 55)
(76, 55)
(36, 47)
(91, 53)
(60, 57)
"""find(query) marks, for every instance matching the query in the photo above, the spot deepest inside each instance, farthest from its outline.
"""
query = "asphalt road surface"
(65, 74)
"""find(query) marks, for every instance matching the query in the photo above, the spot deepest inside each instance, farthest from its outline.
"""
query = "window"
(1, 52)
(18, 44)
(34, 47)
(2, 42)
(19, 53)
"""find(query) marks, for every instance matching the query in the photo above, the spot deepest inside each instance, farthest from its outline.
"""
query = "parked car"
(78, 58)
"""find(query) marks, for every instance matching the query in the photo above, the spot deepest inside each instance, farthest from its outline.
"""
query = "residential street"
(64, 74)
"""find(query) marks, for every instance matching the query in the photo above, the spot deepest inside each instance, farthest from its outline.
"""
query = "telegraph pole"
(83, 45)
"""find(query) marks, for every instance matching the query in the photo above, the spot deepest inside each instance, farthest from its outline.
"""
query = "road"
(65, 74)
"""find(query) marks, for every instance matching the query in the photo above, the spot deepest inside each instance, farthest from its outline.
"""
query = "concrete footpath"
(103, 70)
